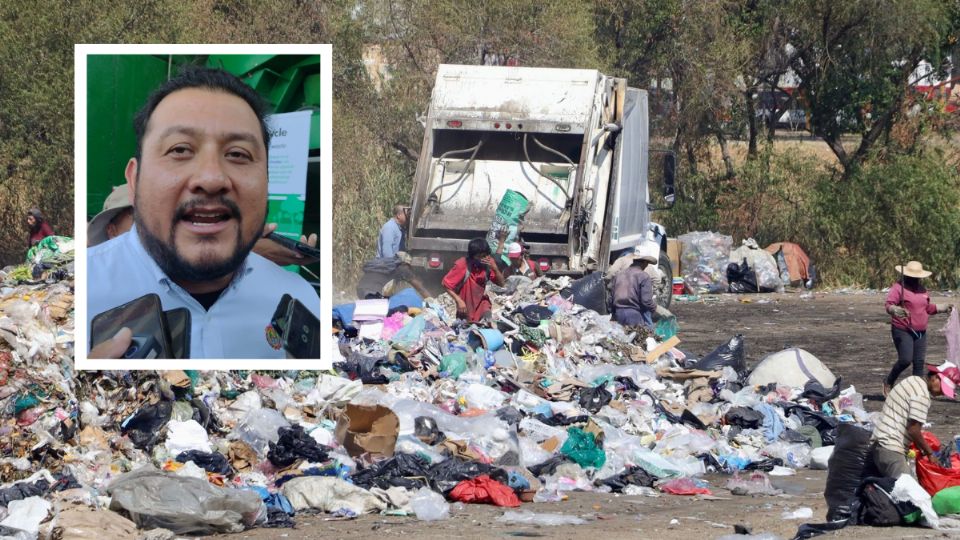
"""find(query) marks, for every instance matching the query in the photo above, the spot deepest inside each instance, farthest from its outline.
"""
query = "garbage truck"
(573, 142)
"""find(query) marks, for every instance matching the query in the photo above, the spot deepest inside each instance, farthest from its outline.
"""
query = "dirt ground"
(847, 330)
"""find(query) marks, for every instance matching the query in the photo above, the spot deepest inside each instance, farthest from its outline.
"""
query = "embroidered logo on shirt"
(273, 338)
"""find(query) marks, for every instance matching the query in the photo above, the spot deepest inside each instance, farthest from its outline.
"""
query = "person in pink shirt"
(908, 304)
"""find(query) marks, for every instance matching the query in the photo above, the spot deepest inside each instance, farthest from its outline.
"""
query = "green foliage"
(904, 208)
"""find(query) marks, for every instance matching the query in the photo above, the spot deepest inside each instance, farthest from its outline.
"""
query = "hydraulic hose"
(473, 156)
(548, 177)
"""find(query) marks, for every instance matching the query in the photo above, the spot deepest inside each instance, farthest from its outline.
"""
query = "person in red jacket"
(908, 304)
(39, 228)
(467, 281)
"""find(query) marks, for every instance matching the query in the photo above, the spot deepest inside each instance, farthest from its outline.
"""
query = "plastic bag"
(846, 468)
(935, 478)
(632, 476)
(294, 444)
(259, 428)
(185, 436)
(213, 462)
(947, 501)
(729, 354)
(764, 270)
(155, 499)
(683, 486)
(590, 292)
(484, 489)
(581, 447)
(535, 518)
(145, 426)
(26, 515)
(741, 278)
(429, 505)
(952, 332)
(594, 399)
(704, 259)
(453, 365)
(755, 484)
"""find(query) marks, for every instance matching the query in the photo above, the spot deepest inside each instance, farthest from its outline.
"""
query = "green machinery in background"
(288, 83)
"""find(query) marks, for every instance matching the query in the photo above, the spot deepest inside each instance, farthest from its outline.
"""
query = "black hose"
(473, 156)
(548, 177)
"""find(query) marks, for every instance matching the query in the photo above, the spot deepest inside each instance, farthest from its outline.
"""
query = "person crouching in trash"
(908, 304)
(632, 288)
(467, 281)
(903, 416)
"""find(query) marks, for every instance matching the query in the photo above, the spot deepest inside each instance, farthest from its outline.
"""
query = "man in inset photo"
(198, 186)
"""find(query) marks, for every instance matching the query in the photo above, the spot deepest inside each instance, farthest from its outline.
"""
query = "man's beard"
(179, 269)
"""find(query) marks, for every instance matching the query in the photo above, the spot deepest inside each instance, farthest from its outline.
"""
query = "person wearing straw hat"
(632, 288)
(115, 219)
(908, 304)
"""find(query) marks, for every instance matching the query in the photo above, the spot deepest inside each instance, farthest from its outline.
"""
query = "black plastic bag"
(729, 354)
(690, 419)
(23, 490)
(425, 428)
(809, 530)
(549, 466)
(404, 470)
(212, 462)
(365, 368)
(744, 418)
(144, 426)
(814, 391)
(793, 436)
(561, 420)
(847, 467)
(445, 475)
(741, 278)
(295, 444)
(766, 465)
(877, 508)
(594, 399)
(590, 291)
(631, 476)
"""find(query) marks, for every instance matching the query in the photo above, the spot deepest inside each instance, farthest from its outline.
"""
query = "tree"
(855, 59)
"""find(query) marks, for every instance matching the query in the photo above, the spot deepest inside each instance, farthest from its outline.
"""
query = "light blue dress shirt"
(121, 270)
(390, 240)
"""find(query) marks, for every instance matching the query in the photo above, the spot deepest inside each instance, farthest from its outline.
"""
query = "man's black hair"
(477, 249)
(206, 78)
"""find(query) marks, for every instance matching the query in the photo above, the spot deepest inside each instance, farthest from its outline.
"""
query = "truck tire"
(664, 289)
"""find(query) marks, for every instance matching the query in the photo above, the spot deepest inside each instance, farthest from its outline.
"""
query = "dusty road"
(849, 332)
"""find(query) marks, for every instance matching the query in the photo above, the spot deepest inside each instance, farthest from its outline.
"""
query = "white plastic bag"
(429, 505)
(952, 332)
(185, 436)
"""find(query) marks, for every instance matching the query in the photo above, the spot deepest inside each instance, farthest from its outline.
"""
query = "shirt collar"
(132, 238)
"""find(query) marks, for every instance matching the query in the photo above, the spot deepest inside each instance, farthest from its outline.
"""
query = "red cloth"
(472, 290)
(917, 304)
(484, 489)
(44, 231)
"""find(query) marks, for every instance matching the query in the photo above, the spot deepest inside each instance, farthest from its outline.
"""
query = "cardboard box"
(674, 248)
(363, 429)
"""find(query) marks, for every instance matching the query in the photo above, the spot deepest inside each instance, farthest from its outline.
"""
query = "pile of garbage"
(710, 265)
(420, 410)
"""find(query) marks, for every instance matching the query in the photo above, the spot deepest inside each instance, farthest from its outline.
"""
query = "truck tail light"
(509, 125)
(544, 264)
(454, 123)
(562, 127)
(496, 125)
(434, 261)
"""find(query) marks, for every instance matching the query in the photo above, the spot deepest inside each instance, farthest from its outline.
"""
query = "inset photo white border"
(325, 240)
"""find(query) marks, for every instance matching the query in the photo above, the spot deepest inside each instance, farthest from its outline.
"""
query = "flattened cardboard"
(364, 429)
